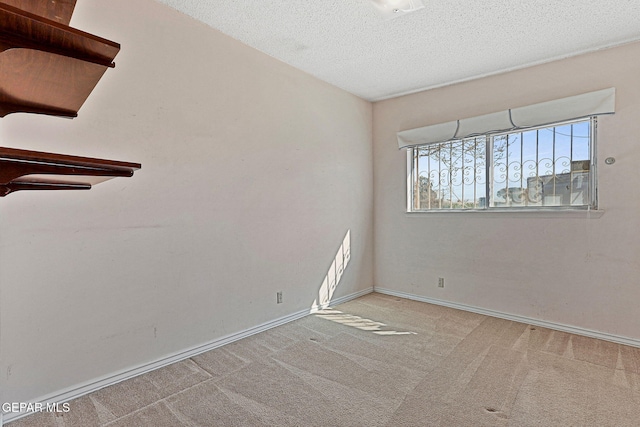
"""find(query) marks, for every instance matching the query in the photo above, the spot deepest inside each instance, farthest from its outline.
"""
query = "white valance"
(544, 113)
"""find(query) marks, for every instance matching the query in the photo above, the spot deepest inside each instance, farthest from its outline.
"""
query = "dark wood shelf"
(47, 66)
(35, 170)
(54, 10)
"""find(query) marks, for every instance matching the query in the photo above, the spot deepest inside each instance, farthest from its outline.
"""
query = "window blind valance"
(573, 107)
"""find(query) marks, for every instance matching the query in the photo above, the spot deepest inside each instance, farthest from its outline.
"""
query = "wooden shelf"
(47, 67)
(35, 170)
(54, 10)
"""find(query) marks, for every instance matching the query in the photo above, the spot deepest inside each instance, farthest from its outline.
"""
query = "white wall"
(252, 174)
(570, 269)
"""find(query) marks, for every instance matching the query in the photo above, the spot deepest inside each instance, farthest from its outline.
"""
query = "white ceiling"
(350, 45)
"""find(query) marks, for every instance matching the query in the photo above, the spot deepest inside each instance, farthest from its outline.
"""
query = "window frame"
(592, 205)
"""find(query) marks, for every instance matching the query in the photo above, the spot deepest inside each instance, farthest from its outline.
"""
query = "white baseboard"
(97, 384)
(516, 318)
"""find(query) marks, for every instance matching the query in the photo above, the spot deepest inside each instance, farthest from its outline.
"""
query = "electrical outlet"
(279, 297)
(441, 282)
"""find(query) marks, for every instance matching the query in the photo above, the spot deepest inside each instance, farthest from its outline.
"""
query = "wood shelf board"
(22, 185)
(50, 68)
(36, 170)
(41, 157)
(35, 80)
(56, 10)
(19, 28)
(47, 67)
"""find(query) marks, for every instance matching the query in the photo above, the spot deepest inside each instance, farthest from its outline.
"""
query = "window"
(547, 167)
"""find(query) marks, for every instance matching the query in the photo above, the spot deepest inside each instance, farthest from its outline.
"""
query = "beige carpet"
(381, 361)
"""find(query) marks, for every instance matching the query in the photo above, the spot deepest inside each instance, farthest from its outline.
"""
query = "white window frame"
(593, 187)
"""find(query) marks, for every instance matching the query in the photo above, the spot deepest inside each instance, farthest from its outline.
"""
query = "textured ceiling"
(350, 45)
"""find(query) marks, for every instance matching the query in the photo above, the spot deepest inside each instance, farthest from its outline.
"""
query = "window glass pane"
(530, 168)
(474, 175)
(500, 171)
(581, 138)
(542, 167)
(545, 167)
(451, 175)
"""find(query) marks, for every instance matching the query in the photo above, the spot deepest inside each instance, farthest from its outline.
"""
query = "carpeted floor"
(380, 361)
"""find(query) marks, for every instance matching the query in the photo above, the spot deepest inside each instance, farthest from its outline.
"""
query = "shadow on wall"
(336, 270)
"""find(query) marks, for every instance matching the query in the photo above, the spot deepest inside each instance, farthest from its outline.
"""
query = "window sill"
(519, 213)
